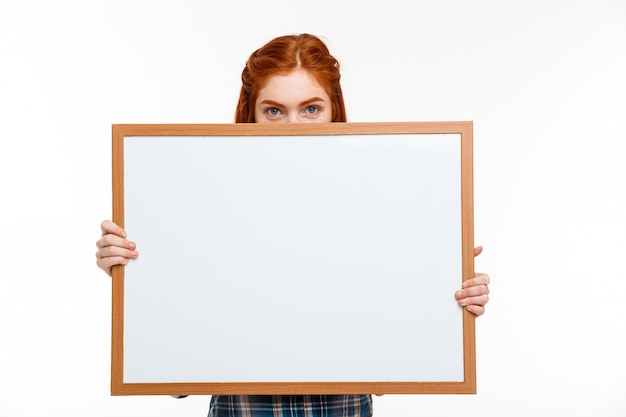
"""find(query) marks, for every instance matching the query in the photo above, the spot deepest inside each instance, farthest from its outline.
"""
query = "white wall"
(542, 80)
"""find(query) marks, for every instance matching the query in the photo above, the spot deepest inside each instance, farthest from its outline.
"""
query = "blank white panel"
(293, 258)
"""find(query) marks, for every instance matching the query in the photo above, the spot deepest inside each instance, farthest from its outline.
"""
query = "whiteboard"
(292, 260)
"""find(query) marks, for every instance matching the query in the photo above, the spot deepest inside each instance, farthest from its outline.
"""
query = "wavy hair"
(281, 56)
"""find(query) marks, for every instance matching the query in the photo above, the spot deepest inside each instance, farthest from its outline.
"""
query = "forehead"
(292, 87)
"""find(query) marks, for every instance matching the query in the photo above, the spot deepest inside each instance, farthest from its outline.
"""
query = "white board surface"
(293, 258)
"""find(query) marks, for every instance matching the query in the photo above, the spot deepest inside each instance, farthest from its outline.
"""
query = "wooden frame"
(460, 134)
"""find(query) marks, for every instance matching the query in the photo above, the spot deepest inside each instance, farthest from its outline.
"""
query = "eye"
(312, 109)
(273, 111)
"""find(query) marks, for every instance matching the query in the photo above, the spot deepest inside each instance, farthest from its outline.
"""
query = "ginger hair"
(282, 56)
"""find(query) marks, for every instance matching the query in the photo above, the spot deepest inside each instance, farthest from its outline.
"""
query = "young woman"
(291, 79)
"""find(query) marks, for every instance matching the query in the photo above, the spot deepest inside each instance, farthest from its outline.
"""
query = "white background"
(542, 80)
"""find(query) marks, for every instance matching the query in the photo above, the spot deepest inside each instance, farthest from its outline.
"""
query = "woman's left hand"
(475, 292)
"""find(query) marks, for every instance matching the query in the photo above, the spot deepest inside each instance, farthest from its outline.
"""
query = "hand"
(475, 292)
(113, 248)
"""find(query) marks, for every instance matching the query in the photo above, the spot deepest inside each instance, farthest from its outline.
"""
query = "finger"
(472, 292)
(116, 251)
(107, 263)
(108, 227)
(476, 310)
(479, 279)
(114, 240)
(478, 250)
(110, 261)
(479, 300)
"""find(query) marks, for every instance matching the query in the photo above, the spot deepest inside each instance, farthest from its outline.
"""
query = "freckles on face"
(292, 98)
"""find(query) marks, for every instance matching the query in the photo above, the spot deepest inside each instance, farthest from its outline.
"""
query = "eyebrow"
(304, 103)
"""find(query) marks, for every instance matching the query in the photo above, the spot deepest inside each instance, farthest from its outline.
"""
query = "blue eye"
(312, 110)
(273, 111)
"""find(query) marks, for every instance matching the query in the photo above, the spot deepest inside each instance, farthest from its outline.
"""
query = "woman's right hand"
(113, 247)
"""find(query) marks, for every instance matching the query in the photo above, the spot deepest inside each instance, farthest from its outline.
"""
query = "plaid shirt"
(291, 406)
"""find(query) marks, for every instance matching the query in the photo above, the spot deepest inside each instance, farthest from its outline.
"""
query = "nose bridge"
(293, 117)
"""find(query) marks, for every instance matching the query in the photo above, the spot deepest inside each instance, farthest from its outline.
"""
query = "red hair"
(283, 55)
